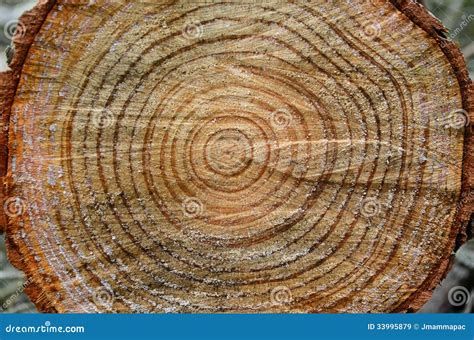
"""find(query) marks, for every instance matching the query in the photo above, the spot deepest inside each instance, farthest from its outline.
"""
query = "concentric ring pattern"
(229, 157)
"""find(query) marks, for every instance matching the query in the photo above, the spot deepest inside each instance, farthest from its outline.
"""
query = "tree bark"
(229, 157)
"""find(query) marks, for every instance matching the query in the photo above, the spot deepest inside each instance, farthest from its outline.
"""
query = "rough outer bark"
(65, 278)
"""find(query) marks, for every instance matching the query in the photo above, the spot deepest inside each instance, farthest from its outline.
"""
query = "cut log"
(229, 157)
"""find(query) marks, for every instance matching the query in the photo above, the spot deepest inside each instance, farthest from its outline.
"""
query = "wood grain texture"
(231, 157)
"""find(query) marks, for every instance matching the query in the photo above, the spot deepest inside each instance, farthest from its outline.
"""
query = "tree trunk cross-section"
(268, 156)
